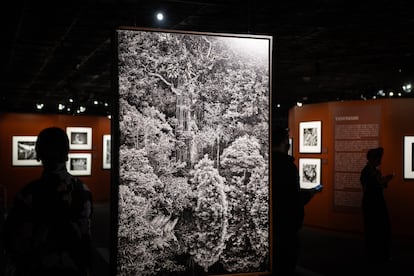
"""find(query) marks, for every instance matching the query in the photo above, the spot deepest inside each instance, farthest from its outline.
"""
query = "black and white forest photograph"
(193, 193)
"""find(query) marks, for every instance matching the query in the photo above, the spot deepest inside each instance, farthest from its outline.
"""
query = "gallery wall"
(18, 124)
(348, 129)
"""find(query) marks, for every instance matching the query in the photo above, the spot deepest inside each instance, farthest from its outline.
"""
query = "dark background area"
(53, 51)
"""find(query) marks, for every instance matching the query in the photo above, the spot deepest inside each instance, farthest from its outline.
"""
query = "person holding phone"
(288, 205)
(377, 226)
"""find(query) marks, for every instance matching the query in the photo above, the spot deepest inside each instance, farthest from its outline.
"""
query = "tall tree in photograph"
(206, 239)
(246, 179)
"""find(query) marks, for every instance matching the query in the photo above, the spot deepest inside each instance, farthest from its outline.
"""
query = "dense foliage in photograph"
(193, 157)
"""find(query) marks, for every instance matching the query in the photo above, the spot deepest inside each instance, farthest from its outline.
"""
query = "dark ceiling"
(52, 51)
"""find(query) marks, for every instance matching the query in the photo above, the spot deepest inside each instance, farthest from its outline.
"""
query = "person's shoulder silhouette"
(47, 230)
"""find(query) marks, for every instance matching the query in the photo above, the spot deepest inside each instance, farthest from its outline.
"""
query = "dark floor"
(324, 252)
(101, 238)
(331, 253)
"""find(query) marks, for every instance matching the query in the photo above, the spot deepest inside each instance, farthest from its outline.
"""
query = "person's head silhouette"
(52, 146)
(280, 138)
(374, 156)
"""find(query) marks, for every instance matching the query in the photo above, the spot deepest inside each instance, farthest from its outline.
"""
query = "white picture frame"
(80, 138)
(310, 137)
(23, 151)
(408, 157)
(290, 151)
(309, 172)
(106, 151)
(79, 163)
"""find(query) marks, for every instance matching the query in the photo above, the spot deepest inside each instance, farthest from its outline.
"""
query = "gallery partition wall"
(192, 170)
(87, 153)
(343, 132)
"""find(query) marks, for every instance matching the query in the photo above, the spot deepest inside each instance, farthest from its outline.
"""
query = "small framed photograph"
(290, 151)
(409, 157)
(79, 137)
(106, 152)
(79, 163)
(310, 137)
(23, 151)
(309, 172)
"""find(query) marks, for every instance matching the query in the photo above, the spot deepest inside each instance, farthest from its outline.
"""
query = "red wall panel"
(17, 124)
(395, 123)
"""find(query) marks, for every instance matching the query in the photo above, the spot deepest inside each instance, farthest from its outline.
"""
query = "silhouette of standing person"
(288, 205)
(377, 227)
(47, 230)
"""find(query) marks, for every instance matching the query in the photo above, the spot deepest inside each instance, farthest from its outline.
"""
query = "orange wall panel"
(16, 124)
(395, 123)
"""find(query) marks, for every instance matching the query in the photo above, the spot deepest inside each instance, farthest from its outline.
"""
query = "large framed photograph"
(310, 137)
(309, 172)
(192, 158)
(79, 138)
(106, 151)
(409, 157)
(79, 163)
(23, 151)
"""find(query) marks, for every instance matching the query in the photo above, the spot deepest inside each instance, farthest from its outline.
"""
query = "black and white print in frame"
(106, 151)
(79, 163)
(310, 137)
(409, 157)
(193, 153)
(79, 138)
(309, 172)
(24, 152)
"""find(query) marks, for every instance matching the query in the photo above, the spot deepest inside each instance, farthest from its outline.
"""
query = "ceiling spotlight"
(95, 102)
(71, 100)
(299, 104)
(391, 94)
(381, 92)
(39, 106)
(61, 106)
(407, 88)
(81, 109)
(160, 16)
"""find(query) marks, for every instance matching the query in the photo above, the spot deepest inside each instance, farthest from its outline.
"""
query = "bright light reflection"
(249, 46)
